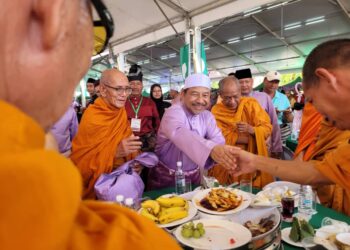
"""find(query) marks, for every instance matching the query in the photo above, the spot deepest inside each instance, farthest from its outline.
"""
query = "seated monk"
(43, 57)
(245, 124)
(317, 139)
(104, 140)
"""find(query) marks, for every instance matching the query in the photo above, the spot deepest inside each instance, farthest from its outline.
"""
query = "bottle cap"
(129, 201)
(119, 198)
(179, 164)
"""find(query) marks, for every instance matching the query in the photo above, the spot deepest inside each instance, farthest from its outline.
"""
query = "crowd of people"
(49, 200)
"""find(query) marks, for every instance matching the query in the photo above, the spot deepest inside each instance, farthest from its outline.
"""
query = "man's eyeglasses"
(120, 90)
(104, 28)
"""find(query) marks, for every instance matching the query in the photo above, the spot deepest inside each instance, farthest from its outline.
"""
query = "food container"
(268, 240)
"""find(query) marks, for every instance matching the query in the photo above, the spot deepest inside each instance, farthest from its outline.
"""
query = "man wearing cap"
(280, 101)
(244, 124)
(245, 79)
(142, 111)
(188, 133)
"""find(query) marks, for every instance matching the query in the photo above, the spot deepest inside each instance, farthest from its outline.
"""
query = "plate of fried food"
(168, 210)
(221, 201)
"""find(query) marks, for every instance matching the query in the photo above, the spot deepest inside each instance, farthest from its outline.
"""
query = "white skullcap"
(197, 80)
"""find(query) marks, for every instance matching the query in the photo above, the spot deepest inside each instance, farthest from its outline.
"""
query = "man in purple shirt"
(64, 130)
(188, 133)
(246, 81)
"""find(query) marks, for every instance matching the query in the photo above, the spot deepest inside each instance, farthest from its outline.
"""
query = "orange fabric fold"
(42, 207)
(94, 147)
(310, 126)
(249, 111)
(330, 138)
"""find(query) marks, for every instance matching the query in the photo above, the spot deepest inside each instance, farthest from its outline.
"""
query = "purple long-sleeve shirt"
(265, 101)
(65, 129)
(188, 138)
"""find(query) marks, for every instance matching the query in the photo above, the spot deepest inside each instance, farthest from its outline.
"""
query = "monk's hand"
(222, 154)
(244, 161)
(243, 127)
(128, 146)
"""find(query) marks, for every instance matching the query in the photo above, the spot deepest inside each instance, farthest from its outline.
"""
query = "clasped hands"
(235, 160)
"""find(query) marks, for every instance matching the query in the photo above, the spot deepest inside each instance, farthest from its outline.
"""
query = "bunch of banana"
(165, 209)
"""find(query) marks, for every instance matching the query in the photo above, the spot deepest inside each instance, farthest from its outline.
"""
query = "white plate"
(285, 237)
(218, 234)
(291, 185)
(201, 194)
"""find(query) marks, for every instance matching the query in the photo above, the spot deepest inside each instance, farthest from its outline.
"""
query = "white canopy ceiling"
(284, 33)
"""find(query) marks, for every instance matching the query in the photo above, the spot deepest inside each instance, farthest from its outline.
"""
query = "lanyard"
(136, 111)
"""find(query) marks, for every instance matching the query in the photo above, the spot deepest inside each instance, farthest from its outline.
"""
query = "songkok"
(243, 73)
(197, 80)
(273, 76)
(135, 73)
(91, 80)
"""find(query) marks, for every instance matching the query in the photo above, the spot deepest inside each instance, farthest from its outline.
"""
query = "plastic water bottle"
(306, 200)
(129, 203)
(180, 180)
(120, 199)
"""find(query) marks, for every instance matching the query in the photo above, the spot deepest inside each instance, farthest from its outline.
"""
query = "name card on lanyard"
(135, 122)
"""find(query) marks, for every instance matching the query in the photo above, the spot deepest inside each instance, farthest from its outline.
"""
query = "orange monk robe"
(94, 147)
(249, 111)
(310, 126)
(41, 205)
(330, 138)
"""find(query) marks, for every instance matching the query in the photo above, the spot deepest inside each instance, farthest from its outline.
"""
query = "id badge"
(136, 125)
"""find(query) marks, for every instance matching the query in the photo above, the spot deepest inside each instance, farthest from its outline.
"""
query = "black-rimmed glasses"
(103, 29)
(120, 90)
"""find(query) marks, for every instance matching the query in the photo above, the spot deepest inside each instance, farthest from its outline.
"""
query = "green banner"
(204, 60)
(184, 60)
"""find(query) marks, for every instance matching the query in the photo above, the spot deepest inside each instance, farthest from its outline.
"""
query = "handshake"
(233, 159)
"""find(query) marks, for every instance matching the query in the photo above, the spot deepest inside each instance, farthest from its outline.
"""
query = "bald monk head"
(114, 87)
(230, 92)
(326, 81)
(43, 55)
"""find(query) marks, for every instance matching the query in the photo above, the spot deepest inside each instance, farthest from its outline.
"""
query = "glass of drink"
(287, 208)
(246, 185)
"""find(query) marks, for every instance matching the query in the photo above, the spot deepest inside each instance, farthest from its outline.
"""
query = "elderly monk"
(317, 139)
(245, 124)
(245, 79)
(188, 133)
(326, 75)
(104, 140)
(41, 190)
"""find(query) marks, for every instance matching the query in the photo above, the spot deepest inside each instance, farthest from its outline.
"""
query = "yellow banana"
(174, 201)
(170, 210)
(152, 205)
(170, 217)
(147, 214)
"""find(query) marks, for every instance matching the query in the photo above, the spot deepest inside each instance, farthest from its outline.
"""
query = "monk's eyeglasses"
(103, 28)
(120, 90)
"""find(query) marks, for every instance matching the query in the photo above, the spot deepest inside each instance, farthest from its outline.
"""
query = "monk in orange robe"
(42, 59)
(318, 138)
(104, 140)
(245, 124)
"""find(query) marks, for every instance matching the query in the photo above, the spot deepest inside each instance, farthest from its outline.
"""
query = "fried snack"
(221, 200)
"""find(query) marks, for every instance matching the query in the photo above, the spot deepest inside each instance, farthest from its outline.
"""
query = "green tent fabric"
(287, 85)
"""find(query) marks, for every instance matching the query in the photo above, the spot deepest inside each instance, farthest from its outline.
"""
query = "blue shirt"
(281, 103)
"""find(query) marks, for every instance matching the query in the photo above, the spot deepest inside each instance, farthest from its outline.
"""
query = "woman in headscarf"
(157, 97)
